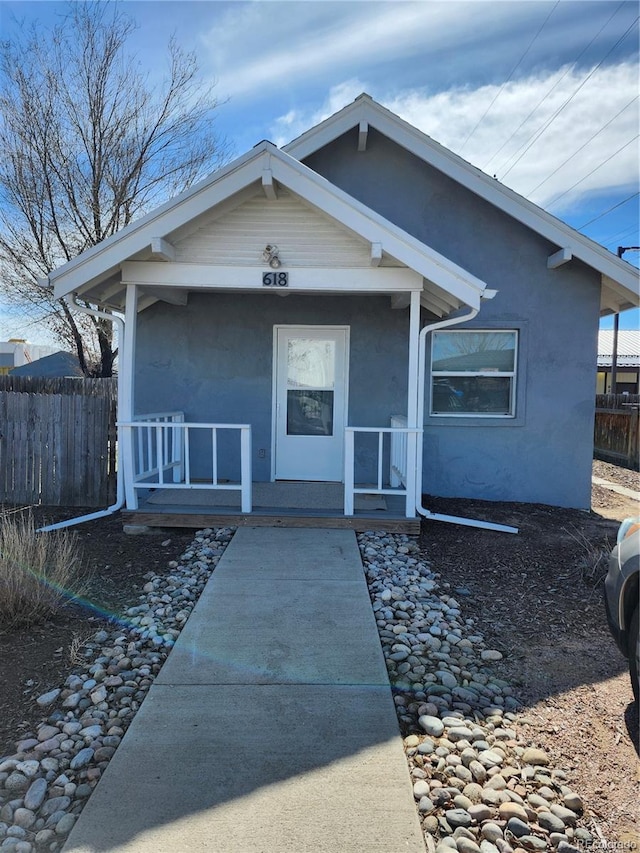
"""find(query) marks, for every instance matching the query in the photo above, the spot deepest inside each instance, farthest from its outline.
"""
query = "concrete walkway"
(614, 487)
(271, 727)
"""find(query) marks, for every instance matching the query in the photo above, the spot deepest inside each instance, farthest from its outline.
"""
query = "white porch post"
(125, 381)
(348, 471)
(245, 473)
(412, 404)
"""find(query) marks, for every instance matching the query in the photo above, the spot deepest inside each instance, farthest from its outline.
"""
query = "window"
(474, 373)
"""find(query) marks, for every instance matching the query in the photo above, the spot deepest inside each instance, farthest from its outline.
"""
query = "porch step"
(198, 519)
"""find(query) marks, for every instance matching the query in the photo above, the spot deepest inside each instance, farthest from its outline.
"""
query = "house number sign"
(275, 279)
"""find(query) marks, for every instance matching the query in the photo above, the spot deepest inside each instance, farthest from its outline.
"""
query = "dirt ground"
(536, 596)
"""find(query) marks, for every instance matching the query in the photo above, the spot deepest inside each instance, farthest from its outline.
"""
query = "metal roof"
(628, 348)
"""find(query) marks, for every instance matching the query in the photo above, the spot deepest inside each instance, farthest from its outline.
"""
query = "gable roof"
(59, 363)
(619, 279)
(96, 272)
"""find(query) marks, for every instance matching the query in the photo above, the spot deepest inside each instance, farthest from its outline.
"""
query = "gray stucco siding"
(213, 359)
(544, 454)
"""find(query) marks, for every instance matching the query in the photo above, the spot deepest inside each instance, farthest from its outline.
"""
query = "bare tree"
(89, 144)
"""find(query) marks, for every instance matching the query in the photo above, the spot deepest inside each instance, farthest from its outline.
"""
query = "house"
(627, 362)
(362, 308)
(17, 352)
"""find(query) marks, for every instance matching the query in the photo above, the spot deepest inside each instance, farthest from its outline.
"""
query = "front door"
(310, 398)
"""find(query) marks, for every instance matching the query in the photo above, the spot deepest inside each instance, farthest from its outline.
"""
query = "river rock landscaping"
(46, 782)
(478, 782)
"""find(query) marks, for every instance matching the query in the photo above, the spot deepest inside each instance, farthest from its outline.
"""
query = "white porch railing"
(403, 443)
(398, 462)
(160, 452)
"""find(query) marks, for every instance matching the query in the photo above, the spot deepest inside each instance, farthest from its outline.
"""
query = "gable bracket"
(268, 185)
(162, 249)
(363, 132)
(562, 256)
(376, 254)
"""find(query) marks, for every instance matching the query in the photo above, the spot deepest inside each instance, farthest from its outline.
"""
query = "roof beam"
(153, 277)
(145, 302)
(444, 306)
(162, 249)
(363, 132)
(114, 286)
(400, 300)
(562, 256)
(376, 254)
(268, 185)
(172, 295)
(426, 302)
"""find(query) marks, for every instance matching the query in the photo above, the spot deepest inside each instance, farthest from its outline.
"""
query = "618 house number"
(275, 279)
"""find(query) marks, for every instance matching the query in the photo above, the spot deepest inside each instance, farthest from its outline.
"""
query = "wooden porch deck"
(278, 505)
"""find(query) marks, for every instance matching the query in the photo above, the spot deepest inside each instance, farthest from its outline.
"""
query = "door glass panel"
(311, 363)
(309, 412)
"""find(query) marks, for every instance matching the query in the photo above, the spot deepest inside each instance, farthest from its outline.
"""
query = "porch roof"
(619, 279)
(97, 274)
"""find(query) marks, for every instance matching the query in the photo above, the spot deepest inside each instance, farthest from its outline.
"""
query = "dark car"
(621, 596)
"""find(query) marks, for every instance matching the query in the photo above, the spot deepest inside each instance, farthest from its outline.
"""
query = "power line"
(606, 212)
(555, 85)
(549, 121)
(621, 235)
(577, 183)
(513, 71)
(584, 145)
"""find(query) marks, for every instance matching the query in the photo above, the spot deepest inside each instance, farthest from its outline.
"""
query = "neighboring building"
(627, 363)
(58, 364)
(17, 351)
(422, 296)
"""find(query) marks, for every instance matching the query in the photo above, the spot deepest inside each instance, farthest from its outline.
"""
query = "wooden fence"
(57, 441)
(616, 431)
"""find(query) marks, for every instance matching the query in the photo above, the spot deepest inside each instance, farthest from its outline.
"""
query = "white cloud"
(292, 124)
(552, 135)
(258, 45)
(450, 116)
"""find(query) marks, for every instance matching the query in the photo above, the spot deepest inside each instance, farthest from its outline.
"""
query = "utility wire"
(513, 71)
(584, 145)
(615, 239)
(606, 212)
(550, 120)
(599, 166)
(555, 86)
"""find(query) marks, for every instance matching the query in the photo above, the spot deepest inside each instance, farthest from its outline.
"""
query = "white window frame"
(512, 374)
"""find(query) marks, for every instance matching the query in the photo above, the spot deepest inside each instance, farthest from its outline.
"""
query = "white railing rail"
(405, 443)
(398, 456)
(161, 444)
(145, 447)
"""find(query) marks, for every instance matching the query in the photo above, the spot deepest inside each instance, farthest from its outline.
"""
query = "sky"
(541, 95)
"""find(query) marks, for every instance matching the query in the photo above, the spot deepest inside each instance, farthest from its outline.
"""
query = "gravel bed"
(45, 784)
(478, 784)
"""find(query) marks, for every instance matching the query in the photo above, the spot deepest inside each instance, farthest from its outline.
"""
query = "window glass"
(473, 373)
(309, 412)
(311, 363)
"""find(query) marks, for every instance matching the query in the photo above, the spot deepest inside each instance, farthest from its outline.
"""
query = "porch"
(163, 492)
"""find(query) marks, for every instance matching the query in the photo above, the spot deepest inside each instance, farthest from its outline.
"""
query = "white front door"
(310, 401)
